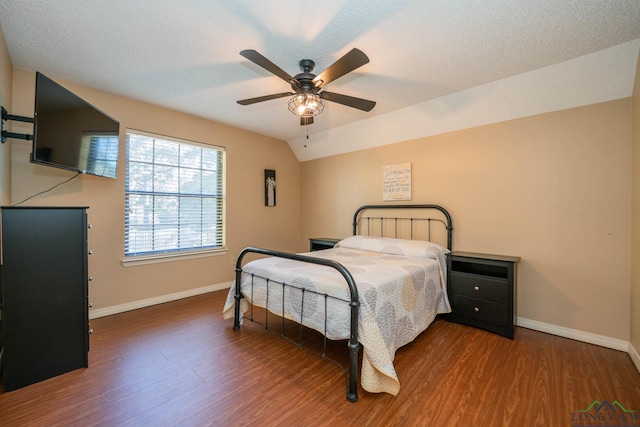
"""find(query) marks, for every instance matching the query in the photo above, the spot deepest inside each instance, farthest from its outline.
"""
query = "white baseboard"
(635, 358)
(121, 308)
(574, 334)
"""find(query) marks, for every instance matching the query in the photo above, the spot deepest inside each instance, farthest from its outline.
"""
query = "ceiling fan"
(308, 93)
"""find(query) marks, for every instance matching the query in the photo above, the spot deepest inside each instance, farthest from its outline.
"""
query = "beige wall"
(249, 222)
(6, 76)
(553, 189)
(635, 225)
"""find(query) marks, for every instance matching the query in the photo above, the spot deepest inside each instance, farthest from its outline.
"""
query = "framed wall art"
(269, 187)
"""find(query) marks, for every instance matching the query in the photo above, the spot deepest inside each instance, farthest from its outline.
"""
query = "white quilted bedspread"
(401, 286)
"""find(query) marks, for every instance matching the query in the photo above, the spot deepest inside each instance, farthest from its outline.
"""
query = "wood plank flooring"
(180, 364)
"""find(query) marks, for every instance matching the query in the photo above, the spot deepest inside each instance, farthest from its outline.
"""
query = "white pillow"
(387, 245)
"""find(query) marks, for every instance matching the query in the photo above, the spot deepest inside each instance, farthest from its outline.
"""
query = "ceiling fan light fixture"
(306, 104)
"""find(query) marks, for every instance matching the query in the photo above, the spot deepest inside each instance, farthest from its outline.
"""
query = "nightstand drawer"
(480, 287)
(484, 311)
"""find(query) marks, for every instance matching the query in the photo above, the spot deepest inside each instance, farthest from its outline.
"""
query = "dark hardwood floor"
(180, 364)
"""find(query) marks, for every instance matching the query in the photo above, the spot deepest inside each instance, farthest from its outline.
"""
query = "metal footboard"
(353, 344)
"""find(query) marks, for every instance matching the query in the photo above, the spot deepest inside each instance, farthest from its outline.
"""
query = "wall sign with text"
(396, 182)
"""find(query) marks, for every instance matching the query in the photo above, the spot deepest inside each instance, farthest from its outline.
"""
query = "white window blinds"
(174, 195)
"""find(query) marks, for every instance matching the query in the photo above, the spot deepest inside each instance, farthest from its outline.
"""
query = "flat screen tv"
(70, 133)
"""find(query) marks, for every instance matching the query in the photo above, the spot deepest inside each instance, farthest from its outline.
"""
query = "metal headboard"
(381, 220)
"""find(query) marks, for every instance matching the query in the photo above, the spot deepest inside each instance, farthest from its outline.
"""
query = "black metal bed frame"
(353, 344)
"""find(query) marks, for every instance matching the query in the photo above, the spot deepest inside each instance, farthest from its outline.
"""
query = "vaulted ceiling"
(435, 65)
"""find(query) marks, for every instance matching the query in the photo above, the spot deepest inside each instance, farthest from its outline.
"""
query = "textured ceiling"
(184, 54)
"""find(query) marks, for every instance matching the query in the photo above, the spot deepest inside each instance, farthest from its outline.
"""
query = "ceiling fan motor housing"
(304, 80)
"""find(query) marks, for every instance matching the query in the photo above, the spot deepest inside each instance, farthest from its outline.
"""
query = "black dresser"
(45, 323)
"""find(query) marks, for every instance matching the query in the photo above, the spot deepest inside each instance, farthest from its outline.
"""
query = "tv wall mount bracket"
(6, 135)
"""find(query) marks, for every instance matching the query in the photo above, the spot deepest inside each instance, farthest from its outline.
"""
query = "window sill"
(178, 256)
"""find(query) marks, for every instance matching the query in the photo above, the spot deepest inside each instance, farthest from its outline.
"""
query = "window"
(174, 196)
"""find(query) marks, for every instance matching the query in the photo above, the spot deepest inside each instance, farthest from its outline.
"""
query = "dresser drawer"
(480, 287)
(482, 310)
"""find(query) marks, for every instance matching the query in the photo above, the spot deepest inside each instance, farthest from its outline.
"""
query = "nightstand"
(320, 243)
(482, 291)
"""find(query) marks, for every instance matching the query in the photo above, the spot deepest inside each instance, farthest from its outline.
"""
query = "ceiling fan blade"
(349, 101)
(250, 101)
(353, 59)
(260, 60)
(304, 121)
